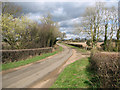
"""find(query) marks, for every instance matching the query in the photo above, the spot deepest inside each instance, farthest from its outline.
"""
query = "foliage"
(21, 32)
(81, 50)
(88, 42)
(13, 29)
(11, 8)
(16, 55)
(106, 66)
(63, 35)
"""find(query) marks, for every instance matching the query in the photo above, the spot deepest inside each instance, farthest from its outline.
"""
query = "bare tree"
(100, 21)
(11, 8)
(118, 30)
(113, 25)
(91, 22)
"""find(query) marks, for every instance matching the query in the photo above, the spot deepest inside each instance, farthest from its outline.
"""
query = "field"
(84, 43)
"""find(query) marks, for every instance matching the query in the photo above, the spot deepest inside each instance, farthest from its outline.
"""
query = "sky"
(65, 12)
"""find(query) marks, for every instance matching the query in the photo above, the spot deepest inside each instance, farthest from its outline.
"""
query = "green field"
(75, 75)
(29, 60)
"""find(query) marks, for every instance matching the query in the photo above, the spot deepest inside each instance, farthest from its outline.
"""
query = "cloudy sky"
(65, 12)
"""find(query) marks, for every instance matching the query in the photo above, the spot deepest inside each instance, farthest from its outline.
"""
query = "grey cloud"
(70, 22)
(66, 13)
(59, 10)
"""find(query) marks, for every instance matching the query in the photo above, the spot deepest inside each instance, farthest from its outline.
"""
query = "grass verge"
(29, 60)
(77, 48)
(75, 75)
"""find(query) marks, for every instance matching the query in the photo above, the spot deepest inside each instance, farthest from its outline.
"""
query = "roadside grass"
(29, 60)
(75, 75)
(77, 48)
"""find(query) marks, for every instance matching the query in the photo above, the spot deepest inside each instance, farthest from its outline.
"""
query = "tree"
(11, 8)
(13, 29)
(105, 23)
(118, 39)
(63, 35)
(20, 32)
(100, 21)
(91, 22)
(118, 30)
(87, 23)
(113, 25)
(52, 28)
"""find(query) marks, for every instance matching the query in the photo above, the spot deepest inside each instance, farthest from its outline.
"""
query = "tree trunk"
(94, 34)
(118, 39)
(105, 39)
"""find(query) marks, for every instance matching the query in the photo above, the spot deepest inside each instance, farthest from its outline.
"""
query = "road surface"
(27, 76)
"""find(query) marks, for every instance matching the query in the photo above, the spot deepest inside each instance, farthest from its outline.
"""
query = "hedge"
(107, 68)
(16, 55)
(76, 45)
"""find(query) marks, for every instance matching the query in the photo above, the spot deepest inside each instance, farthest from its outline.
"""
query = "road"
(49, 80)
(27, 76)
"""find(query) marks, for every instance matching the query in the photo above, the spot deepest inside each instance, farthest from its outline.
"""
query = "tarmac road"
(27, 76)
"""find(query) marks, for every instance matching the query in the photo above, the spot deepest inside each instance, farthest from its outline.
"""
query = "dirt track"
(26, 77)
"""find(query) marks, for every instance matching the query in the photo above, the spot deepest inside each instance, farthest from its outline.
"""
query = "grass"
(75, 75)
(29, 60)
(77, 48)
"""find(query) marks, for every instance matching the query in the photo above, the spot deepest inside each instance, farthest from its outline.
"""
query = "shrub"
(107, 67)
(77, 45)
(16, 55)
(88, 42)
(24, 33)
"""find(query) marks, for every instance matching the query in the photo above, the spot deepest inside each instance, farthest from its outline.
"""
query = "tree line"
(101, 22)
(20, 32)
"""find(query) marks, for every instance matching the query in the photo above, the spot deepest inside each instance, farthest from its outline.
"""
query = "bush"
(16, 55)
(23, 33)
(88, 42)
(110, 46)
(77, 45)
(107, 67)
